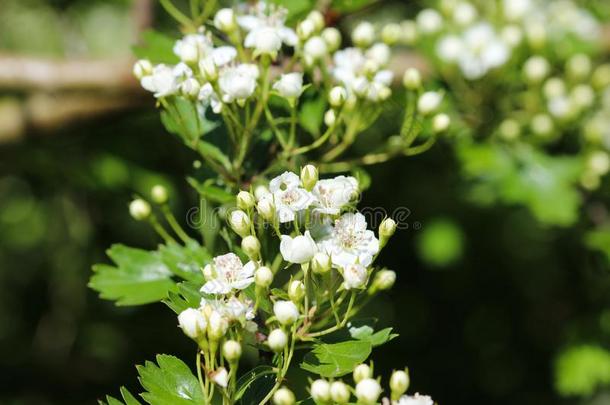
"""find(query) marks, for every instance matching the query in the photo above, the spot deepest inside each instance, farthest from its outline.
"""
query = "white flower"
(354, 276)
(289, 85)
(162, 81)
(449, 48)
(221, 377)
(208, 96)
(350, 242)
(192, 322)
(339, 392)
(415, 400)
(288, 196)
(232, 309)
(482, 51)
(285, 312)
(464, 13)
(299, 249)
(224, 20)
(429, 21)
(265, 26)
(368, 391)
(142, 68)
(334, 194)
(380, 53)
(230, 274)
(218, 325)
(536, 68)
(364, 34)
(223, 55)
(238, 82)
(192, 47)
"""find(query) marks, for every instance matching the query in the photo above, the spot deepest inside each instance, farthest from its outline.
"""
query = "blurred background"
(486, 297)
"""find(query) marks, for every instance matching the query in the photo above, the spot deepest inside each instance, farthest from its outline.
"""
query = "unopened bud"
(330, 118)
(159, 194)
(217, 325)
(384, 280)
(277, 340)
(429, 102)
(386, 230)
(245, 200)
(142, 68)
(337, 96)
(309, 176)
(296, 291)
(283, 396)
(251, 246)
(192, 322)
(332, 37)
(361, 372)
(411, 79)
(601, 76)
(225, 21)
(339, 392)
(286, 312)
(317, 19)
(240, 222)
(320, 391)
(579, 66)
(263, 277)
(440, 122)
(368, 391)
(391, 33)
(231, 350)
(139, 209)
(399, 383)
(320, 263)
(509, 129)
(364, 34)
(305, 29)
(266, 208)
(190, 88)
(542, 125)
(208, 68)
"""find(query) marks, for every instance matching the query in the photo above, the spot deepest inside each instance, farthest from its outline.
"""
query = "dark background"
(484, 328)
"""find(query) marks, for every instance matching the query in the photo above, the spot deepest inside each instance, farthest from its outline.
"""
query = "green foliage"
(254, 385)
(127, 397)
(440, 243)
(169, 382)
(336, 359)
(580, 370)
(142, 277)
(366, 333)
(545, 184)
(156, 47)
(599, 240)
(312, 115)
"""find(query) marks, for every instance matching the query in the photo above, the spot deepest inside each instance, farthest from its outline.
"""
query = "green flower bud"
(159, 194)
(245, 200)
(309, 177)
(399, 383)
(139, 209)
(231, 350)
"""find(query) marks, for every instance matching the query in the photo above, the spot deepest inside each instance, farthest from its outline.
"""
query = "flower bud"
(368, 391)
(208, 69)
(542, 125)
(192, 322)
(277, 340)
(332, 37)
(220, 376)
(509, 129)
(440, 122)
(429, 102)
(536, 68)
(399, 383)
(225, 20)
(339, 392)
(251, 246)
(536, 35)
(582, 96)
(263, 277)
(309, 176)
(317, 19)
(266, 209)
(554, 87)
(283, 396)
(330, 118)
(296, 291)
(390, 34)
(190, 88)
(364, 34)
(361, 372)
(601, 76)
(290, 85)
(139, 209)
(231, 350)
(320, 391)
(285, 312)
(320, 263)
(409, 32)
(384, 280)
(337, 96)
(599, 163)
(429, 21)
(261, 191)
(315, 48)
(305, 29)
(386, 230)
(240, 222)
(159, 194)
(299, 249)
(380, 53)
(142, 68)
(464, 13)
(579, 66)
(245, 200)
(217, 325)
(411, 79)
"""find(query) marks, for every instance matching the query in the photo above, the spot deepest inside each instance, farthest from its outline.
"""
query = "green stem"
(178, 15)
(173, 223)
(160, 230)
(199, 375)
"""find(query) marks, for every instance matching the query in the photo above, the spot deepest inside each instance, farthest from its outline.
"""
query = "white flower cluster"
(367, 389)
(478, 42)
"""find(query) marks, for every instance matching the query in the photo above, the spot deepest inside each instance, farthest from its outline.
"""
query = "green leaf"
(349, 6)
(169, 382)
(295, 7)
(188, 296)
(140, 277)
(599, 239)
(580, 370)
(127, 397)
(185, 261)
(156, 47)
(312, 115)
(337, 359)
(212, 193)
(183, 119)
(254, 385)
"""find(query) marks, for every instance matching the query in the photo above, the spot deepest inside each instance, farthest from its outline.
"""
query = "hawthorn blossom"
(163, 81)
(350, 242)
(238, 82)
(266, 28)
(193, 47)
(289, 85)
(415, 400)
(233, 309)
(354, 276)
(352, 69)
(229, 274)
(288, 196)
(334, 194)
(299, 249)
